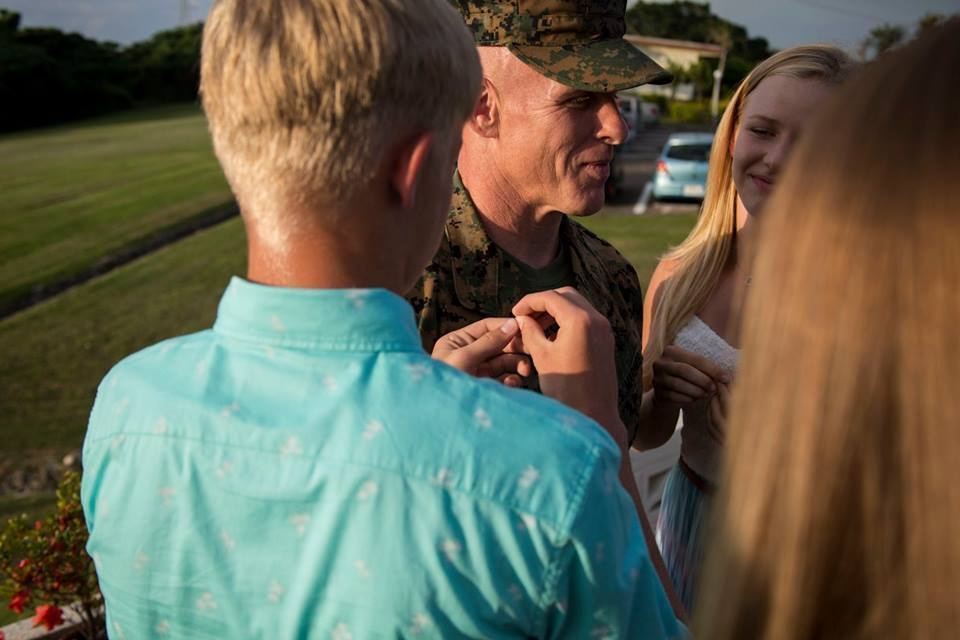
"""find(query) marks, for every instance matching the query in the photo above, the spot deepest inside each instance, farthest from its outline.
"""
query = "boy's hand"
(482, 349)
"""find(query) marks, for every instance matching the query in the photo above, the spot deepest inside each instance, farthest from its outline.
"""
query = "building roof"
(704, 48)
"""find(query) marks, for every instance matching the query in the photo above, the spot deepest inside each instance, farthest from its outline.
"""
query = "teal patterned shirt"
(306, 470)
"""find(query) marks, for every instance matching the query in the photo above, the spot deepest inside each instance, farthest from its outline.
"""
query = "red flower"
(23, 564)
(19, 601)
(36, 527)
(49, 616)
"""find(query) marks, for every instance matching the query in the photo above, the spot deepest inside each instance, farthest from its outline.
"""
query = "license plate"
(693, 190)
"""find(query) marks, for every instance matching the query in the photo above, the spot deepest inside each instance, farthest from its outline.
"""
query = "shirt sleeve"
(91, 454)
(604, 583)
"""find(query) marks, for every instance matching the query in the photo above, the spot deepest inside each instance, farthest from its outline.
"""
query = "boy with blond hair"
(304, 469)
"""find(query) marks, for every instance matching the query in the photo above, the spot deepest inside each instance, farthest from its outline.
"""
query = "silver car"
(682, 167)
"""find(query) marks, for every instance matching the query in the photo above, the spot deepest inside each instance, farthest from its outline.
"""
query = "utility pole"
(717, 77)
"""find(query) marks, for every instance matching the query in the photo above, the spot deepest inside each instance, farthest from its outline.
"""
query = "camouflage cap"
(578, 43)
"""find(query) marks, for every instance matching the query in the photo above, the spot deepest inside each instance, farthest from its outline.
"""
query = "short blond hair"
(303, 97)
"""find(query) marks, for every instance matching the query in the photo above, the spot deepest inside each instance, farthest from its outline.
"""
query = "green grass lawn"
(56, 353)
(642, 239)
(75, 194)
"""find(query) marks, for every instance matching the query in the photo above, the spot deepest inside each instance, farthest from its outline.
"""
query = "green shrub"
(663, 102)
(45, 564)
(689, 112)
(694, 112)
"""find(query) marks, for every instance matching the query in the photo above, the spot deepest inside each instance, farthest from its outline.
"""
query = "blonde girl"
(690, 329)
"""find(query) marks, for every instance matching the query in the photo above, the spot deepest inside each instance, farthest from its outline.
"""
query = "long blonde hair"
(839, 512)
(709, 247)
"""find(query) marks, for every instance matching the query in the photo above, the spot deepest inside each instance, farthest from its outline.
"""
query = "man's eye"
(580, 101)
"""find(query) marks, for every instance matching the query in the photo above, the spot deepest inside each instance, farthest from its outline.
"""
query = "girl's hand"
(681, 377)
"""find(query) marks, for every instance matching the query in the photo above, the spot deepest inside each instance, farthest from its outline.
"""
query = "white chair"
(650, 469)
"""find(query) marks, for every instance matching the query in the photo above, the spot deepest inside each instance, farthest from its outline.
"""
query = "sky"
(842, 22)
(783, 22)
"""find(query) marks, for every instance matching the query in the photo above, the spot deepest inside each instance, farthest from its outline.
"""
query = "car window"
(697, 152)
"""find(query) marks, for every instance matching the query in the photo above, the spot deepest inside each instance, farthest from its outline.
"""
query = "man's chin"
(584, 213)
(589, 203)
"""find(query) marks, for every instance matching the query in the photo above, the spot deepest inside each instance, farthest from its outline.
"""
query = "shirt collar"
(342, 319)
(475, 261)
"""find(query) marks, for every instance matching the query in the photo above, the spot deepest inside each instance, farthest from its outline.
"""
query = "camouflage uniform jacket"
(471, 278)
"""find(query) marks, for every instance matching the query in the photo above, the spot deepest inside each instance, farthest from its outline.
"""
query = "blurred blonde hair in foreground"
(839, 515)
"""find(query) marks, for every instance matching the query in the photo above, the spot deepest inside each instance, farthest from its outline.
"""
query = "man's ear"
(410, 165)
(485, 118)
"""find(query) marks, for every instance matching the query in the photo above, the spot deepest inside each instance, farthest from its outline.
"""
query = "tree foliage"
(886, 37)
(930, 21)
(9, 23)
(48, 76)
(166, 68)
(881, 39)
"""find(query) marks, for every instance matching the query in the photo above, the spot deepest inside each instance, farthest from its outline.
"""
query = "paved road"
(639, 161)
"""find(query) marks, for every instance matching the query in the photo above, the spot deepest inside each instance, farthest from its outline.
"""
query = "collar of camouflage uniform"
(476, 260)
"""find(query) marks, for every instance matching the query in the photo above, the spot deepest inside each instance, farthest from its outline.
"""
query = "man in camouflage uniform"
(537, 151)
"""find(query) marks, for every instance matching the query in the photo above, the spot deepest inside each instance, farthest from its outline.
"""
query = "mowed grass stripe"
(642, 239)
(56, 352)
(175, 191)
(75, 195)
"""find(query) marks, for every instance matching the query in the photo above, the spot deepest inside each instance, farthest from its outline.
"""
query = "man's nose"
(613, 128)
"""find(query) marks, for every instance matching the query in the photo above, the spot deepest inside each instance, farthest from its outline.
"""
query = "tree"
(680, 76)
(720, 33)
(48, 76)
(928, 22)
(881, 39)
(166, 68)
(9, 23)
(701, 75)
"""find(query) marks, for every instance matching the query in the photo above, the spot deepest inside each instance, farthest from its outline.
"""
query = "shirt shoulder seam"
(555, 570)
